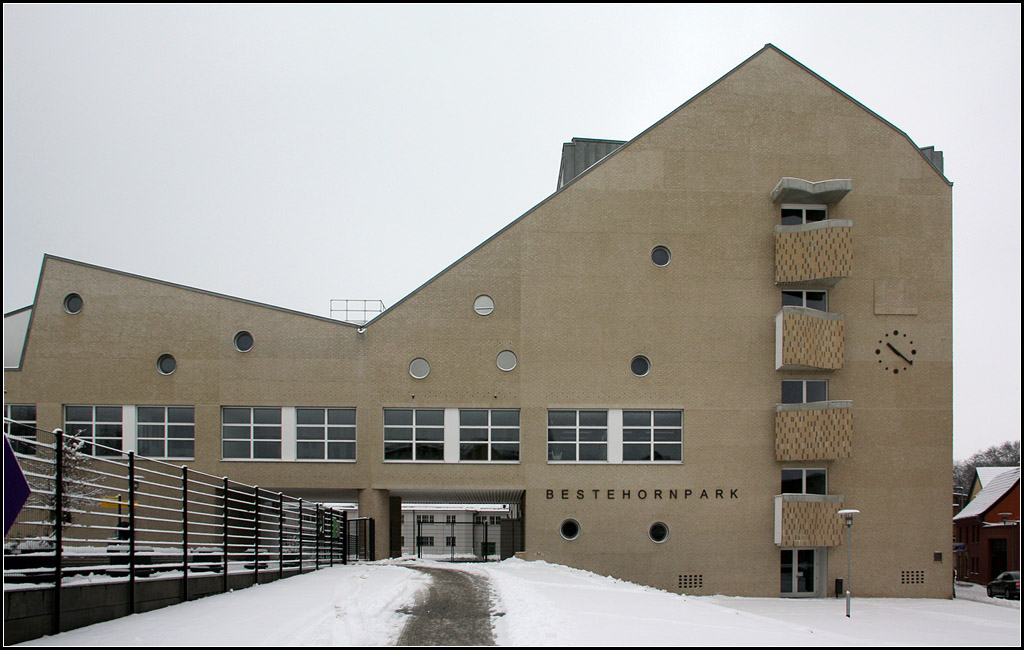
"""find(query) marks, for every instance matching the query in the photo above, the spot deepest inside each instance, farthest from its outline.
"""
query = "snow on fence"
(101, 517)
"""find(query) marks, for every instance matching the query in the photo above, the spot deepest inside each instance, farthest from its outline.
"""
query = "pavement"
(455, 610)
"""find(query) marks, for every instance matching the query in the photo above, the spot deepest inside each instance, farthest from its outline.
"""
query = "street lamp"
(848, 516)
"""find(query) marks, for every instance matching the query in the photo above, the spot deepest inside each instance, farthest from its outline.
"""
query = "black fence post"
(131, 532)
(58, 526)
(344, 537)
(372, 551)
(301, 549)
(184, 531)
(319, 531)
(225, 534)
(330, 543)
(256, 534)
(280, 535)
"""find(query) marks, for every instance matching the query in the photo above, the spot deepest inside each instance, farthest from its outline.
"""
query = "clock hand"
(899, 354)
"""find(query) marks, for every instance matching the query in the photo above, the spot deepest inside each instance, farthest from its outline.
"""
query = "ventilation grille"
(692, 581)
(911, 577)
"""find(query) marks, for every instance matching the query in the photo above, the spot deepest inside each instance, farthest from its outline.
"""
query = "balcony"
(808, 520)
(819, 253)
(814, 431)
(808, 339)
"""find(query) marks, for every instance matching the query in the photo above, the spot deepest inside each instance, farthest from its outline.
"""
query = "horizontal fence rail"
(99, 516)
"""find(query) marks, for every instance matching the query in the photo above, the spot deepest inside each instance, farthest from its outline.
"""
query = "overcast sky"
(291, 155)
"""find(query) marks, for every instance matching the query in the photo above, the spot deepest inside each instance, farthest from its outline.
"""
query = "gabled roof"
(986, 474)
(991, 494)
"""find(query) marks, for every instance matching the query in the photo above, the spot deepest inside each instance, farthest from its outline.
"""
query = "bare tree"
(1006, 454)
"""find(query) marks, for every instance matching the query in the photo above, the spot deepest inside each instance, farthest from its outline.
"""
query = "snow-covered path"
(535, 603)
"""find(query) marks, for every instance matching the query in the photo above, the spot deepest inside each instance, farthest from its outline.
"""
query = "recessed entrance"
(799, 572)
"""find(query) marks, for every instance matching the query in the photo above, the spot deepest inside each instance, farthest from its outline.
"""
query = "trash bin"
(839, 587)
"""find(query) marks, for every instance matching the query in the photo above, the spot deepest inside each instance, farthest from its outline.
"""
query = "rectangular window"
(796, 214)
(325, 434)
(489, 435)
(20, 422)
(166, 431)
(253, 433)
(816, 299)
(804, 391)
(449, 519)
(98, 425)
(652, 436)
(425, 540)
(425, 519)
(577, 436)
(414, 434)
(449, 541)
(804, 481)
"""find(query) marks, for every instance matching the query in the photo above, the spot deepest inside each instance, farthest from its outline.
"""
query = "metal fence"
(97, 515)
(467, 541)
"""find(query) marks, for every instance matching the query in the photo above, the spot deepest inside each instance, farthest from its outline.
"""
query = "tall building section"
(677, 368)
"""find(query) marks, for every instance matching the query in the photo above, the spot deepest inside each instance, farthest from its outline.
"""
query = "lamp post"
(848, 516)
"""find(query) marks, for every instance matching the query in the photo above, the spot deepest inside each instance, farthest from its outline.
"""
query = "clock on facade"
(896, 351)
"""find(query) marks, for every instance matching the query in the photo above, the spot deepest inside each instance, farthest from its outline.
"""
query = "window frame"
(251, 427)
(490, 429)
(803, 390)
(165, 424)
(803, 298)
(22, 428)
(803, 208)
(803, 480)
(576, 441)
(652, 441)
(325, 429)
(92, 441)
(415, 441)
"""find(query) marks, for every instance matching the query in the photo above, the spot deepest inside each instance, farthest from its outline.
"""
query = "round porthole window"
(419, 368)
(507, 360)
(570, 529)
(658, 532)
(73, 303)
(243, 341)
(166, 364)
(640, 365)
(661, 255)
(483, 305)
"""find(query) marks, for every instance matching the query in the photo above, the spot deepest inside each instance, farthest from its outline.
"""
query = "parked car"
(1006, 584)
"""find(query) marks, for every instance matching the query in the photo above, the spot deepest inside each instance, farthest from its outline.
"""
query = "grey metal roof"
(581, 154)
(990, 494)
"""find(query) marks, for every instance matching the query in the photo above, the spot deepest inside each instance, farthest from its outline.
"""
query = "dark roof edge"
(862, 106)
(188, 288)
(570, 183)
(17, 311)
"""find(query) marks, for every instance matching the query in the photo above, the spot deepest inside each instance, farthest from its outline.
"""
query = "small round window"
(658, 532)
(166, 364)
(640, 365)
(73, 303)
(507, 360)
(570, 529)
(661, 256)
(243, 341)
(419, 368)
(483, 305)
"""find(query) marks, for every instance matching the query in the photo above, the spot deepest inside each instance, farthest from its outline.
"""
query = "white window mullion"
(451, 435)
(129, 428)
(614, 435)
(288, 434)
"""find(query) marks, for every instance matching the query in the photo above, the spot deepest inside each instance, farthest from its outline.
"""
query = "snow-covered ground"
(536, 603)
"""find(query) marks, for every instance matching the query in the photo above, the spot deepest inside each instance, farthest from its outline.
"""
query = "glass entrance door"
(798, 571)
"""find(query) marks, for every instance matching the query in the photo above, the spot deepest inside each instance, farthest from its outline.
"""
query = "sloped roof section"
(991, 494)
(986, 474)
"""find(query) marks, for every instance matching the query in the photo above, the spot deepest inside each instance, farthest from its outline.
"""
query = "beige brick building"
(677, 367)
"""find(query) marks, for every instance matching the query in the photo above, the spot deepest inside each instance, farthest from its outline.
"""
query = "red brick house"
(987, 530)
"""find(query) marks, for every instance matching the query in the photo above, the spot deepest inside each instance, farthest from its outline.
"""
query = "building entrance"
(799, 572)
